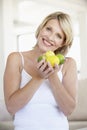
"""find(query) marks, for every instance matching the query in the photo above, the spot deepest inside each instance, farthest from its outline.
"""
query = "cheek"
(43, 32)
(40, 34)
(59, 43)
(39, 38)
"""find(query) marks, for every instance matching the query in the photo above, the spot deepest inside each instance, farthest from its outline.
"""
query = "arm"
(15, 97)
(65, 93)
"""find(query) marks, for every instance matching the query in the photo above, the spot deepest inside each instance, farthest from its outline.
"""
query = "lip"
(46, 42)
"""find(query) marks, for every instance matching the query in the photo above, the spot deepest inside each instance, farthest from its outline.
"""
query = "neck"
(37, 51)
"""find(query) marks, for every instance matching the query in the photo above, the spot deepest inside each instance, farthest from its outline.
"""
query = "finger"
(56, 67)
(40, 63)
(49, 65)
(49, 69)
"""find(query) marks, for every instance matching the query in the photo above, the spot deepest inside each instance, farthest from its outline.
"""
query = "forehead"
(53, 22)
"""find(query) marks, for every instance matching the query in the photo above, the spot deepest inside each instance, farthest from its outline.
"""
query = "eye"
(48, 28)
(59, 36)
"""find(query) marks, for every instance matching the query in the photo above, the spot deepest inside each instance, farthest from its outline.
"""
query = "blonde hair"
(65, 23)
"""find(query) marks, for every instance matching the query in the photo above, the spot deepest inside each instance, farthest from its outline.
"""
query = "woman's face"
(51, 36)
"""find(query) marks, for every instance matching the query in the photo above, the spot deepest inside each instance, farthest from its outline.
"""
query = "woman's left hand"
(45, 69)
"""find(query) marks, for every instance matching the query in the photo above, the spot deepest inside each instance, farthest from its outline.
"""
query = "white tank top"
(41, 112)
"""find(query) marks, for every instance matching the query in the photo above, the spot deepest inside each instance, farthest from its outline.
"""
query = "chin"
(44, 48)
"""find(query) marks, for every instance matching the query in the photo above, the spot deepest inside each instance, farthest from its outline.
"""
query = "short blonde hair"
(65, 23)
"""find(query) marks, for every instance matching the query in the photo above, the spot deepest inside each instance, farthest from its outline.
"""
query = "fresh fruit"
(40, 58)
(50, 56)
(61, 58)
(53, 60)
(49, 53)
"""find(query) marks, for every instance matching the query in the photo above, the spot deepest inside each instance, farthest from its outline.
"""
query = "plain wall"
(1, 50)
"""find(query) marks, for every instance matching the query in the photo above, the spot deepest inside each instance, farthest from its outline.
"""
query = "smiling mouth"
(47, 43)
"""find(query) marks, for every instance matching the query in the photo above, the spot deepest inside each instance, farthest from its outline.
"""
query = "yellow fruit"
(53, 60)
(61, 58)
(50, 56)
(49, 53)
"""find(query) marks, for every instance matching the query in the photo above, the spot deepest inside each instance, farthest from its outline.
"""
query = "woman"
(38, 95)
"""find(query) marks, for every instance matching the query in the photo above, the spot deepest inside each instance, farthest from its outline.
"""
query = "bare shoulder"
(13, 56)
(70, 61)
(69, 65)
(14, 59)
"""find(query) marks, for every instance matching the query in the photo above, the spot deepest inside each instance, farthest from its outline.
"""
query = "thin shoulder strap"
(22, 58)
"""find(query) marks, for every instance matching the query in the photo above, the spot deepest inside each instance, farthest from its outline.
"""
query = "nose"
(51, 37)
